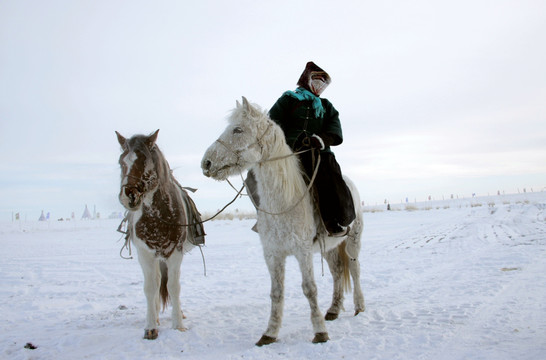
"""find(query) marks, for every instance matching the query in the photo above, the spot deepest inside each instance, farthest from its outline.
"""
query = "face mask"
(317, 86)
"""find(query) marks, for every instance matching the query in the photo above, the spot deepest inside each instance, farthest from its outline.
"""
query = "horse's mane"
(285, 173)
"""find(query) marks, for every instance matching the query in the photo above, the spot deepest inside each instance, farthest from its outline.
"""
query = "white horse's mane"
(283, 173)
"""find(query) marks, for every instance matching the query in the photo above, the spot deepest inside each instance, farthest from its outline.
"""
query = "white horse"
(288, 222)
(159, 210)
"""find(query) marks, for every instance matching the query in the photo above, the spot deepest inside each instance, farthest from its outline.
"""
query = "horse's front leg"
(173, 286)
(305, 261)
(152, 279)
(276, 266)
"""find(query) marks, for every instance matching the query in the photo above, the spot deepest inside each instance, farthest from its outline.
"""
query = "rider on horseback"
(312, 123)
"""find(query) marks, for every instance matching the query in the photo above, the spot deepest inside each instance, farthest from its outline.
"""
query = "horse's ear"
(122, 141)
(237, 104)
(246, 104)
(150, 141)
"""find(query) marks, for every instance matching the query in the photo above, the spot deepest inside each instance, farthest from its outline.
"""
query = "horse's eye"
(238, 130)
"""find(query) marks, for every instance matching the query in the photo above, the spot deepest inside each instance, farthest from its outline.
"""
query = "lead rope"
(213, 216)
(127, 243)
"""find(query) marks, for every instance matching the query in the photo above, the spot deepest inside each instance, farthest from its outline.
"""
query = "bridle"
(258, 142)
(238, 153)
(141, 184)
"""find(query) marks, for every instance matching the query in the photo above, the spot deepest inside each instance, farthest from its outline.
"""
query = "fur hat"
(312, 69)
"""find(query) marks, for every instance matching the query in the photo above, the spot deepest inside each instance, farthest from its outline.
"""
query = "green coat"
(297, 118)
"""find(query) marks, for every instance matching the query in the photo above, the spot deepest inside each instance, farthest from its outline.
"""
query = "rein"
(212, 217)
(308, 190)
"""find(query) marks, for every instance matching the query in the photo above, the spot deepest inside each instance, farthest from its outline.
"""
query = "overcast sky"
(435, 97)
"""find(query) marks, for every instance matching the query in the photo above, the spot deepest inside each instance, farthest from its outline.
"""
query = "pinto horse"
(158, 213)
(288, 221)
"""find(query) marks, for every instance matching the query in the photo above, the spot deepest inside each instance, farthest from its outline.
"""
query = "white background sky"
(435, 97)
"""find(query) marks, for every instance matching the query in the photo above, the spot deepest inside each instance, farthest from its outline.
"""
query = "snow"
(454, 279)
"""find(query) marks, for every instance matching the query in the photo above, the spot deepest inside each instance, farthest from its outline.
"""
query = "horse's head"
(240, 145)
(138, 171)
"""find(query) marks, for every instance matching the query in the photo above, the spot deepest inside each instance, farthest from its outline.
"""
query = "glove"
(308, 142)
(314, 142)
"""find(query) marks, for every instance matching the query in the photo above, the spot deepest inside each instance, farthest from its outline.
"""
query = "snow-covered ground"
(457, 279)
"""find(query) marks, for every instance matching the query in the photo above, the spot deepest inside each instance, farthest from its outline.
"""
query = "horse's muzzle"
(209, 170)
(130, 197)
(218, 168)
(205, 166)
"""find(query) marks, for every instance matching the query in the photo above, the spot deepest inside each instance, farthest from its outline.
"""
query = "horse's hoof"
(330, 316)
(321, 338)
(150, 334)
(266, 340)
(181, 329)
(358, 311)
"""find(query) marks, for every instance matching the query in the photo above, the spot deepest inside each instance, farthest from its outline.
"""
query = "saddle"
(196, 225)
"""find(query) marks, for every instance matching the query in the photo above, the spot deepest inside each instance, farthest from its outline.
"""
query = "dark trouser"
(252, 188)
(334, 197)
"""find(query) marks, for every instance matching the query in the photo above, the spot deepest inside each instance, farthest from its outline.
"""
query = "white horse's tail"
(346, 278)
(163, 291)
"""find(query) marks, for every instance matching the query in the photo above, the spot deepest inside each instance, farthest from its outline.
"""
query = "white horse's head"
(240, 146)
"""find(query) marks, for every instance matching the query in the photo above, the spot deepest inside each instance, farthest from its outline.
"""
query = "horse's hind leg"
(276, 266)
(152, 278)
(309, 287)
(336, 266)
(173, 286)
(353, 250)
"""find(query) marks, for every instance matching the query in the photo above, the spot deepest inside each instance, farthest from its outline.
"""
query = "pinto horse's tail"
(345, 264)
(163, 291)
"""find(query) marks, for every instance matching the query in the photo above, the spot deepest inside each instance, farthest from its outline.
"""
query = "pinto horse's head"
(139, 174)
(240, 145)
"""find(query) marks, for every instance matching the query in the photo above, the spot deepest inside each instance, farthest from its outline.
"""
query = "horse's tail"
(163, 291)
(345, 264)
